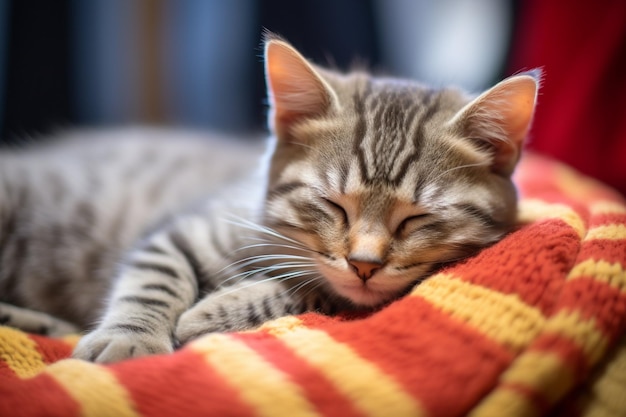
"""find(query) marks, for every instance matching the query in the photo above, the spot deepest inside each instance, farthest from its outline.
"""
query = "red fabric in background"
(581, 116)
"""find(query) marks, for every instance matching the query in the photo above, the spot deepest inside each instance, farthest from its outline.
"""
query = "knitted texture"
(533, 326)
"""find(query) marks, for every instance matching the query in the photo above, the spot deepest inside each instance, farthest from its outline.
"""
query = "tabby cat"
(368, 186)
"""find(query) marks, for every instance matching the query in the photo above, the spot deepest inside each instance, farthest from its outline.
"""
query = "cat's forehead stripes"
(389, 132)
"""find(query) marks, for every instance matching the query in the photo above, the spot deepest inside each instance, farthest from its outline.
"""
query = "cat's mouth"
(366, 294)
(373, 292)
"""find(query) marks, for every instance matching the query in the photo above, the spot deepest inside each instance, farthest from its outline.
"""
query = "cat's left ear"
(296, 90)
(501, 117)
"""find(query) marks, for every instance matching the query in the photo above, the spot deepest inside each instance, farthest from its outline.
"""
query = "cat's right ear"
(501, 117)
(296, 91)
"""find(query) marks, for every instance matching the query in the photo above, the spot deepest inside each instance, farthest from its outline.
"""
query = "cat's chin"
(363, 295)
(368, 295)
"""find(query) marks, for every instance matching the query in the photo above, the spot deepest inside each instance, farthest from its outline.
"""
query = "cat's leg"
(158, 282)
(252, 302)
(35, 321)
(242, 306)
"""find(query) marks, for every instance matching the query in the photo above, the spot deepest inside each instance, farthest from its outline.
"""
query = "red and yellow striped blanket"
(534, 325)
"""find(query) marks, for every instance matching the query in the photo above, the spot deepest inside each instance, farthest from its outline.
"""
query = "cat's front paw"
(200, 321)
(242, 306)
(108, 345)
(220, 315)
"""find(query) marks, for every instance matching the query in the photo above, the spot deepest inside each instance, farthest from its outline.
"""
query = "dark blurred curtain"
(36, 66)
(192, 63)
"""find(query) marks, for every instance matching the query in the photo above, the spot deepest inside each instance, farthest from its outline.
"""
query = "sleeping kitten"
(372, 183)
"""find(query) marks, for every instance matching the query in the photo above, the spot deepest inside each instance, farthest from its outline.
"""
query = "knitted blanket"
(534, 325)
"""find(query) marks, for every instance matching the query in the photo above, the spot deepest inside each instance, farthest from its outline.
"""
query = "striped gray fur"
(149, 238)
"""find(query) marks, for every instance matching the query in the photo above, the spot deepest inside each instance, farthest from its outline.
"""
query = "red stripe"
(38, 396)
(531, 263)
(573, 361)
(599, 301)
(318, 321)
(607, 219)
(179, 385)
(532, 396)
(447, 365)
(609, 250)
(571, 353)
(317, 388)
(6, 373)
(51, 350)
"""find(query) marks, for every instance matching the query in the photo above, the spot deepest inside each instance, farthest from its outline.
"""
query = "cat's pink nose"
(365, 268)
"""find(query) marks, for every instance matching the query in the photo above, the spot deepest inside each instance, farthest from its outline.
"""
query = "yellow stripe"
(574, 184)
(612, 274)
(71, 339)
(504, 318)
(542, 372)
(603, 395)
(371, 390)
(504, 402)
(607, 207)
(584, 333)
(94, 387)
(610, 232)
(531, 210)
(268, 390)
(20, 353)
(282, 325)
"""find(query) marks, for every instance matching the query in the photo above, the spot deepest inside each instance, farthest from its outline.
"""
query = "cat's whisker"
(287, 265)
(486, 163)
(318, 283)
(316, 280)
(273, 268)
(304, 145)
(292, 290)
(273, 256)
(281, 266)
(282, 277)
(267, 269)
(295, 245)
(289, 260)
(293, 274)
(271, 232)
(259, 228)
(251, 260)
(269, 243)
(273, 245)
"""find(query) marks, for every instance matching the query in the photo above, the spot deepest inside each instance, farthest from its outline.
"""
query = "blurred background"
(197, 63)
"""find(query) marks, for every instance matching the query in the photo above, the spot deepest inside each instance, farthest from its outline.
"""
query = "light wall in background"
(463, 42)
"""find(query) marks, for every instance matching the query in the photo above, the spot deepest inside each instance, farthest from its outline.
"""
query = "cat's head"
(383, 179)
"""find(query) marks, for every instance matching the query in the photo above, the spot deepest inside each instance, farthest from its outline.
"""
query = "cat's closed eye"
(337, 209)
(412, 222)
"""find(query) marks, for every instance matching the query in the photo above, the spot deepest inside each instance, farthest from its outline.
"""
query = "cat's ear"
(500, 118)
(296, 91)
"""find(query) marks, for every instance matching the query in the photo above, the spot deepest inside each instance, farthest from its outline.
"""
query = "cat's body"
(72, 208)
(372, 184)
